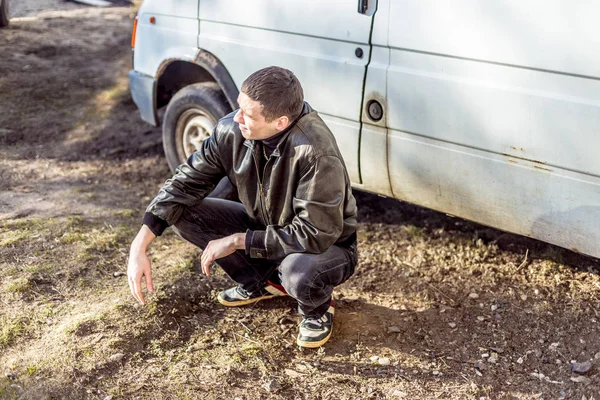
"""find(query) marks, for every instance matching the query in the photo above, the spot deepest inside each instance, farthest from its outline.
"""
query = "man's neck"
(271, 142)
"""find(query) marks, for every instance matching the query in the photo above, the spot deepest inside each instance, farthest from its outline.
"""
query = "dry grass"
(436, 296)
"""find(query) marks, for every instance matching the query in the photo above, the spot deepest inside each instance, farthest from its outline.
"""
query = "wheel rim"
(193, 127)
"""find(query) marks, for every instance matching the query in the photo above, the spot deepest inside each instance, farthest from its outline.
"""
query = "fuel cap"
(375, 110)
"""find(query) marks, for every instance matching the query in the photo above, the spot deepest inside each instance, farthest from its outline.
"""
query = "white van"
(487, 110)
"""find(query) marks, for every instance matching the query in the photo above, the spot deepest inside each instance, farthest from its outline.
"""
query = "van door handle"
(363, 6)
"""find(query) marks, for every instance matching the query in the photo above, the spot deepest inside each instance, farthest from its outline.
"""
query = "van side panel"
(556, 206)
(316, 40)
(554, 35)
(493, 114)
(547, 117)
(332, 19)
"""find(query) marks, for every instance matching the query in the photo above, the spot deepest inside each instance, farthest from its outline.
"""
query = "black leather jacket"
(304, 198)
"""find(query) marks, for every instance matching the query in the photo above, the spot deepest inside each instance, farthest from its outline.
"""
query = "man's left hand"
(220, 248)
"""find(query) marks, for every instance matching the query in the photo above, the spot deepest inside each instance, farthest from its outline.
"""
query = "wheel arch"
(175, 74)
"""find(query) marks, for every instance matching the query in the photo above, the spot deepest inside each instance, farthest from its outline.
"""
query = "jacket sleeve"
(318, 207)
(192, 182)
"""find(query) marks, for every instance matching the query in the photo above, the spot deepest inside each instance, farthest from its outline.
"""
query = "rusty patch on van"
(523, 158)
(541, 168)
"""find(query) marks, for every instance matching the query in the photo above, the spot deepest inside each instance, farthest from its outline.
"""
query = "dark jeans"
(308, 278)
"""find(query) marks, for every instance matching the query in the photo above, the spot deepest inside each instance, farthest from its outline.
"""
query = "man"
(294, 231)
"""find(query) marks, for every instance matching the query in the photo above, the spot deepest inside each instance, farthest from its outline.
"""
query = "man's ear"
(282, 123)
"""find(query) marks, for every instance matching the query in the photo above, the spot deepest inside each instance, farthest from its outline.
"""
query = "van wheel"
(191, 117)
(3, 13)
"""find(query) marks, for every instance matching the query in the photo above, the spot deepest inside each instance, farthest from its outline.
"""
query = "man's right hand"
(139, 264)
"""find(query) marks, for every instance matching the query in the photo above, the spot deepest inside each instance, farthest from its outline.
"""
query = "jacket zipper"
(262, 200)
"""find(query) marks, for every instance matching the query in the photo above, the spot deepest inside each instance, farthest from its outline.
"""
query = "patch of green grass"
(8, 270)
(48, 311)
(31, 369)
(89, 242)
(72, 237)
(37, 268)
(187, 264)
(414, 231)
(10, 330)
(152, 307)
(17, 285)
(128, 213)
(74, 221)
(156, 347)
(250, 350)
(22, 229)
(82, 283)
(103, 241)
(13, 237)
(30, 224)
(237, 358)
(109, 238)
(89, 352)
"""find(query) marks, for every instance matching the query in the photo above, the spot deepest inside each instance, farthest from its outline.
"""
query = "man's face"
(253, 124)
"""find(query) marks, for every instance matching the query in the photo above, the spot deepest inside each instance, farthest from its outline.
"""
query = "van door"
(325, 43)
(493, 111)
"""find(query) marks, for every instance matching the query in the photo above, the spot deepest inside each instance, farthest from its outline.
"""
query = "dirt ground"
(439, 308)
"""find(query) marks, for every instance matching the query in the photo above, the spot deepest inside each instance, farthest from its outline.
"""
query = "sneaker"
(315, 331)
(237, 296)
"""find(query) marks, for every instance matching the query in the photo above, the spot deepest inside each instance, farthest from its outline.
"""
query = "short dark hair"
(277, 90)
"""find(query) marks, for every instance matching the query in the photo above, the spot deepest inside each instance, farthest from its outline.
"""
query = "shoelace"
(316, 321)
(243, 292)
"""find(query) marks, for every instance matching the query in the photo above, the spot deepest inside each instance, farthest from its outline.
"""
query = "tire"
(190, 118)
(3, 13)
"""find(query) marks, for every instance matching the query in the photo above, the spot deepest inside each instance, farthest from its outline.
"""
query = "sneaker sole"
(242, 302)
(312, 345)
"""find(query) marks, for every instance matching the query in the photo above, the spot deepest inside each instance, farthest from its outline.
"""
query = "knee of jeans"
(189, 221)
(187, 228)
(297, 274)
(183, 231)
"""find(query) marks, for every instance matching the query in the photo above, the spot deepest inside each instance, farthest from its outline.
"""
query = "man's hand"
(139, 264)
(220, 248)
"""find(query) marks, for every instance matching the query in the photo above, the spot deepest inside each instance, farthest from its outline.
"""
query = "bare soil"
(439, 308)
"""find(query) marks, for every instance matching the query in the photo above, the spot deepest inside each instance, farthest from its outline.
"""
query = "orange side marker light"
(135, 23)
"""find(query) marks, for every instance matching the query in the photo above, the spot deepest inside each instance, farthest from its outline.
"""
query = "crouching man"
(293, 231)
